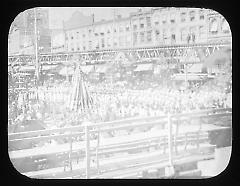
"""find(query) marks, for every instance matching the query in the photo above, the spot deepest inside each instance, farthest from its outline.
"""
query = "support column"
(87, 151)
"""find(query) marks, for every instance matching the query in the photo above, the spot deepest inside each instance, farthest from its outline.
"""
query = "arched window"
(213, 26)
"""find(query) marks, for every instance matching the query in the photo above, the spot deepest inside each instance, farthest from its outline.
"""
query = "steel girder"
(179, 53)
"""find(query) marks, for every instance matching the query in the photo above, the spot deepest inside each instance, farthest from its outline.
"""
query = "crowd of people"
(114, 100)
(123, 103)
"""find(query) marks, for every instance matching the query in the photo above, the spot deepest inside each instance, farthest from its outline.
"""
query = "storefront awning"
(102, 69)
(48, 67)
(190, 77)
(87, 68)
(197, 68)
(66, 71)
(144, 67)
(27, 68)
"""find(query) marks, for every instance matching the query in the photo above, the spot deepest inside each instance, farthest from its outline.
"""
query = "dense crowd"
(155, 101)
(113, 101)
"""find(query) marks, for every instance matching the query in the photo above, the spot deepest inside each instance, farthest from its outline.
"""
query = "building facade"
(101, 35)
(219, 29)
(155, 27)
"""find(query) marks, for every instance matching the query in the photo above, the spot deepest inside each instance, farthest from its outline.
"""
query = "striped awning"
(102, 68)
(190, 77)
(144, 67)
(196, 68)
(27, 68)
(87, 68)
(48, 67)
(66, 71)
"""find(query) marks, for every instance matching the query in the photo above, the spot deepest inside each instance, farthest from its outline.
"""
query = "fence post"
(70, 154)
(87, 151)
(169, 171)
(170, 139)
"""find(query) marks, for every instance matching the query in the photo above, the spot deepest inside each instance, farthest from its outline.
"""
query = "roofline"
(99, 23)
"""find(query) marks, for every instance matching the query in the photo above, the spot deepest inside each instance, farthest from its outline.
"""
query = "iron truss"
(190, 53)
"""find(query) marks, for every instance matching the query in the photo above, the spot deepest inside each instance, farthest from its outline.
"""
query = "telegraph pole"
(36, 45)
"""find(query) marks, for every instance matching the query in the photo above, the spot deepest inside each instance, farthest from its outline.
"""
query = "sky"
(58, 15)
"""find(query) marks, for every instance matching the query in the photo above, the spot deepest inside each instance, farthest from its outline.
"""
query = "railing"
(86, 145)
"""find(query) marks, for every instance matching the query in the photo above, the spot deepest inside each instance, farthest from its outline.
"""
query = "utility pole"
(36, 45)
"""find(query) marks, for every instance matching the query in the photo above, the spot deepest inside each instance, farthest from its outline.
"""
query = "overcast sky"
(57, 15)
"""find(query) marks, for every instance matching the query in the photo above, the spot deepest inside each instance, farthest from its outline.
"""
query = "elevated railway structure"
(151, 147)
(190, 53)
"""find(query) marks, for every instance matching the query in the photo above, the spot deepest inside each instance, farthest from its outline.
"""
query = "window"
(135, 38)
(102, 41)
(183, 16)
(142, 37)
(115, 41)
(149, 36)
(109, 42)
(121, 40)
(90, 45)
(127, 28)
(128, 39)
(164, 19)
(183, 34)
(173, 36)
(148, 22)
(141, 23)
(201, 32)
(84, 48)
(172, 18)
(201, 15)
(157, 33)
(213, 26)
(72, 37)
(156, 20)
(83, 35)
(164, 34)
(134, 27)
(120, 29)
(224, 26)
(192, 15)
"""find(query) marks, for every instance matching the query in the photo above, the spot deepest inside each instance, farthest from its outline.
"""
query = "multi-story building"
(57, 40)
(24, 26)
(219, 29)
(146, 28)
(168, 26)
(105, 34)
